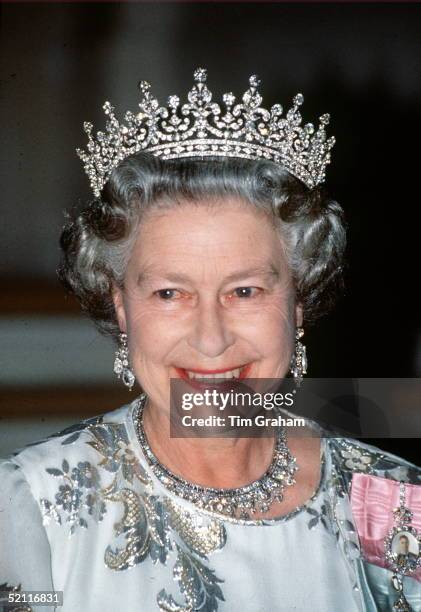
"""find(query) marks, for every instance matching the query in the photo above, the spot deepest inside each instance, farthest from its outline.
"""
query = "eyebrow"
(269, 271)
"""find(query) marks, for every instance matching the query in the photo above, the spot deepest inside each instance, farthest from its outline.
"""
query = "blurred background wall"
(59, 62)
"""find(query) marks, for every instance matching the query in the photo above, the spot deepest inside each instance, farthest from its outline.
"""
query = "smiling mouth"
(215, 376)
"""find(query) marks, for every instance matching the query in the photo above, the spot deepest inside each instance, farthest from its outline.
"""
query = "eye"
(166, 294)
(246, 292)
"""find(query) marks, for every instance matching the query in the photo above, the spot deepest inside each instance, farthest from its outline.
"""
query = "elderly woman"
(208, 246)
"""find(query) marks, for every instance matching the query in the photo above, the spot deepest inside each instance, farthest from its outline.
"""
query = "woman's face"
(207, 288)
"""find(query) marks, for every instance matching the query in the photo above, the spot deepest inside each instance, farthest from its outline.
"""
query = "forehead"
(220, 232)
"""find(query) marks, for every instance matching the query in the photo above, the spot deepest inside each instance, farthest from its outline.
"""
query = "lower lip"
(212, 382)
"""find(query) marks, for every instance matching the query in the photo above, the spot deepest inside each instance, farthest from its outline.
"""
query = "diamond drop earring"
(299, 358)
(121, 363)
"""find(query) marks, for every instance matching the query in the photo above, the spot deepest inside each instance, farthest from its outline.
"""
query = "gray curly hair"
(96, 242)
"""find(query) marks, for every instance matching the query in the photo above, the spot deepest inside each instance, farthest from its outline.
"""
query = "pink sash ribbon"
(372, 500)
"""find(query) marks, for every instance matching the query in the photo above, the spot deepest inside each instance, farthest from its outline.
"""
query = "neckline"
(131, 427)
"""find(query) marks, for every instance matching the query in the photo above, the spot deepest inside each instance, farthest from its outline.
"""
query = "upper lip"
(220, 371)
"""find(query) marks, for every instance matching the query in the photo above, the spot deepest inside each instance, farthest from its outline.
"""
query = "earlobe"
(119, 308)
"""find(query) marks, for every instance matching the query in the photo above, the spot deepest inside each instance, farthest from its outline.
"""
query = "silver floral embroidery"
(150, 526)
(352, 456)
(335, 512)
(323, 516)
(190, 573)
(201, 536)
(357, 459)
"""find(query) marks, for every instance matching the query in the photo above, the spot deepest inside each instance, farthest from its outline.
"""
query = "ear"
(299, 315)
(119, 308)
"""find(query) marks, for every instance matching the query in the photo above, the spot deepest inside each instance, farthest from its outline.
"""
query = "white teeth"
(225, 375)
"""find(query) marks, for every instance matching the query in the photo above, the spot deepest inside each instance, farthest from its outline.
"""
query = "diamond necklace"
(241, 502)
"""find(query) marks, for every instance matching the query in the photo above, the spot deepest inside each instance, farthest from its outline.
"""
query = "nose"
(210, 335)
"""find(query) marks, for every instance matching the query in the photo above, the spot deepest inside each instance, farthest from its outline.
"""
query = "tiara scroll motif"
(198, 128)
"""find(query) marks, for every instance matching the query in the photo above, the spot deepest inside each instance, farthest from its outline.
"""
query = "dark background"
(359, 62)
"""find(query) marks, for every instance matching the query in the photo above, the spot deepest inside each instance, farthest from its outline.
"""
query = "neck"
(210, 462)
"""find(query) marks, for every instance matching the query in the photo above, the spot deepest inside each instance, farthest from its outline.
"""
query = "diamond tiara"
(198, 128)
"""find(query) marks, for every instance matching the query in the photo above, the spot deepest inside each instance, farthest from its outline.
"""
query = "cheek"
(275, 323)
(279, 339)
(275, 337)
(151, 335)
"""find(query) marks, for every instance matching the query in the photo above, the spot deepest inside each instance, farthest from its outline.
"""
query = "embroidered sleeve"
(25, 559)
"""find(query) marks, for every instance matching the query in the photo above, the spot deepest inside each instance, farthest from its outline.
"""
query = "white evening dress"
(81, 512)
